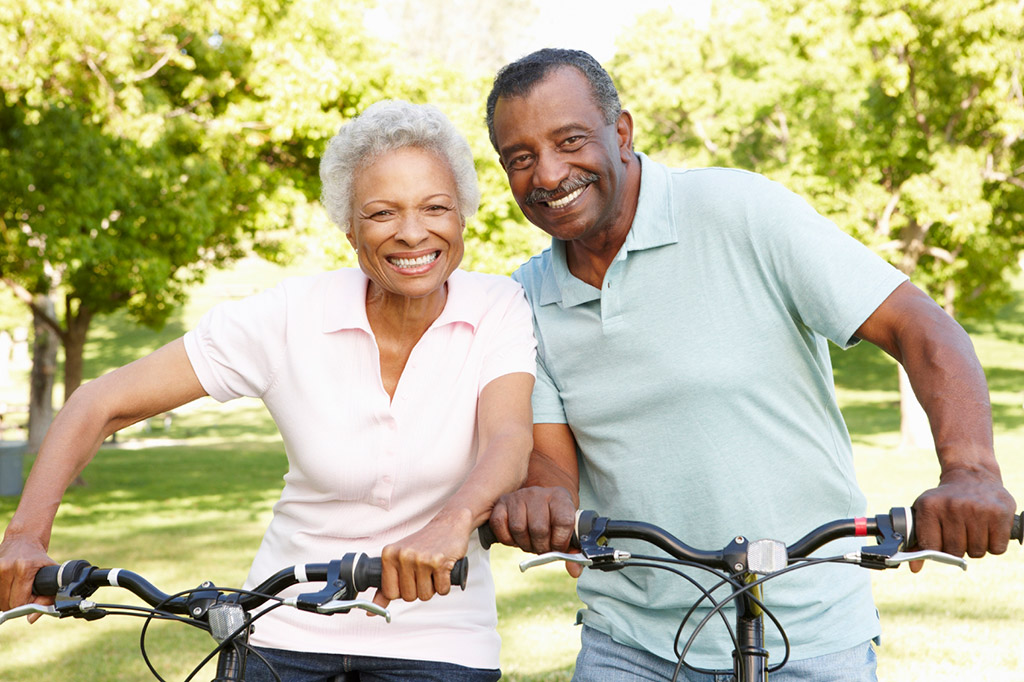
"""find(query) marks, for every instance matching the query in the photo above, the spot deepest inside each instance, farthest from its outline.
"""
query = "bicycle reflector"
(765, 557)
(225, 619)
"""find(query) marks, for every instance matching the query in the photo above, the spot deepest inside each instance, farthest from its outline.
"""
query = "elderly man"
(682, 321)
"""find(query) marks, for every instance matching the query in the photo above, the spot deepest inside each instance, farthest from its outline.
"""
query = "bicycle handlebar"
(898, 522)
(352, 574)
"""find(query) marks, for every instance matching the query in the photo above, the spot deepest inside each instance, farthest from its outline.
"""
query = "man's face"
(565, 166)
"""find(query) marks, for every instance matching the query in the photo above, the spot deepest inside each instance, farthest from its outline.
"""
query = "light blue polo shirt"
(698, 384)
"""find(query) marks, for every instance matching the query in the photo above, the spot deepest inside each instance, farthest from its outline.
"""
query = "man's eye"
(520, 162)
(573, 141)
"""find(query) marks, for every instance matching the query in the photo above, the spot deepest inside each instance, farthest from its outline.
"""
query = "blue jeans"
(298, 666)
(602, 659)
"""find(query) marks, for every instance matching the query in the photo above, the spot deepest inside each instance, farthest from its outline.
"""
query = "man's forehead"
(555, 105)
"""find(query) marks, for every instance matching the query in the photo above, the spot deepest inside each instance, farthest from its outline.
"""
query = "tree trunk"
(74, 354)
(915, 430)
(74, 347)
(45, 345)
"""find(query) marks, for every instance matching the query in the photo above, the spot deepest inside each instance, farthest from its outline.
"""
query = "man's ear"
(624, 131)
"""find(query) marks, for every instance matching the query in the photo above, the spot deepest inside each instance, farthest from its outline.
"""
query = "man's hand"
(19, 562)
(969, 512)
(536, 520)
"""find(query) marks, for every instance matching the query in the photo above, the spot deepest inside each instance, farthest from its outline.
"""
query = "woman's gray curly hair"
(385, 127)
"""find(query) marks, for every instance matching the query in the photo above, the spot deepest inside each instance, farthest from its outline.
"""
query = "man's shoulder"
(531, 274)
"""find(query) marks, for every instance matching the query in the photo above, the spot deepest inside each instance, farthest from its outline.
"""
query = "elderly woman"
(401, 390)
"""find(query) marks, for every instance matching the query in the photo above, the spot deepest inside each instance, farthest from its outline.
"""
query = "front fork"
(750, 660)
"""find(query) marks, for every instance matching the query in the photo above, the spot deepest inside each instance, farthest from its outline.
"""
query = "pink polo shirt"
(364, 470)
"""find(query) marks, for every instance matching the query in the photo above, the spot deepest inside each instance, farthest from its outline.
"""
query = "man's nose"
(550, 170)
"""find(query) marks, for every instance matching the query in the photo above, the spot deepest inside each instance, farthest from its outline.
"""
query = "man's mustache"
(568, 186)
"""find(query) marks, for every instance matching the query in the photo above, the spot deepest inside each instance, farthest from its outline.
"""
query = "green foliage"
(904, 123)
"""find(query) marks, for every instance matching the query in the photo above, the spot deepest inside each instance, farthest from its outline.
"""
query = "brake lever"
(343, 606)
(27, 610)
(935, 555)
(903, 557)
(551, 557)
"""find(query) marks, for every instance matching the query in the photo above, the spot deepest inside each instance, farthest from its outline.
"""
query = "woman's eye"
(438, 209)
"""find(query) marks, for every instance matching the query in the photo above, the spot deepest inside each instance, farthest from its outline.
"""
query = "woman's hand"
(419, 566)
(20, 559)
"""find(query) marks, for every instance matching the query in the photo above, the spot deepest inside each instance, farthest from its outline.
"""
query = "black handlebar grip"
(50, 579)
(45, 583)
(1017, 532)
(367, 573)
(487, 536)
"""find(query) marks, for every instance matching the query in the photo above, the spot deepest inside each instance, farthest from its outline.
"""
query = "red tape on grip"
(860, 526)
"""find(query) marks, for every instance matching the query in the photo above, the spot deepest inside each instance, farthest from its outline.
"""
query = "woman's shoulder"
(490, 283)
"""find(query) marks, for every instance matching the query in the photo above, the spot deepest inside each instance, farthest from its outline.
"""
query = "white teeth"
(414, 262)
(559, 203)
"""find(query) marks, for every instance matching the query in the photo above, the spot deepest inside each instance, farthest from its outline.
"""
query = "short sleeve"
(511, 345)
(547, 403)
(236, 346)
(830, 281)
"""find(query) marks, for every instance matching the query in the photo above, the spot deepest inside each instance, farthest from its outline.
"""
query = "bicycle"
(226, 613)
(744, 566)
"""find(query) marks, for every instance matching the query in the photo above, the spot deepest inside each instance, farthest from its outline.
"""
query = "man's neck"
(589, 259)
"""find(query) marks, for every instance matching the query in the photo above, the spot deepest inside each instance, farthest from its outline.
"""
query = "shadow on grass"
(115, 340)
(190, 479)
(1007, 324)
(865, 367)
(1008, 379)
(871, 418)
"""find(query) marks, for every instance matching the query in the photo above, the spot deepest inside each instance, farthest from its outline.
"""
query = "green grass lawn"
(188, 502)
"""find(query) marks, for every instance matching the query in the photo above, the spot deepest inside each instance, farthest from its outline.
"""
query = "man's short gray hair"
(520, 77)
(384, 127)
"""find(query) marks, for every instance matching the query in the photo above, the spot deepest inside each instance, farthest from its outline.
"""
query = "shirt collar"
(345, 302)
(653, 226)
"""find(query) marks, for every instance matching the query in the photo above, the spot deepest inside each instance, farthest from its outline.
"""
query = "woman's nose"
(411, 230)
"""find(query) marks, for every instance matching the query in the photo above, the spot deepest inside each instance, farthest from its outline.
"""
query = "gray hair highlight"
(387, 126)
(519, 78)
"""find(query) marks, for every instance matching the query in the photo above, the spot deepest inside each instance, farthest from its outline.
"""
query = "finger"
(916, 566)
(389, 586)
(954, 537)
(499, 523)
(978, 538)
(407, 578)
(380, 600)
(443, 578)
(44, 601)
(529, 529)
(425, 580)
(575, 570)
(926, 527)
(563, 524)
(999, 536)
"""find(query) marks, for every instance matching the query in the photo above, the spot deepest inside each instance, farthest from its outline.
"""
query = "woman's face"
(406, 226)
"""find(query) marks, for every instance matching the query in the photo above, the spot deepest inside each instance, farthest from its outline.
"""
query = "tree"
(903, 123)
(144, 144)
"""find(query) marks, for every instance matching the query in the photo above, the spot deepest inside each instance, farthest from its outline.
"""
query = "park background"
(159, 157)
